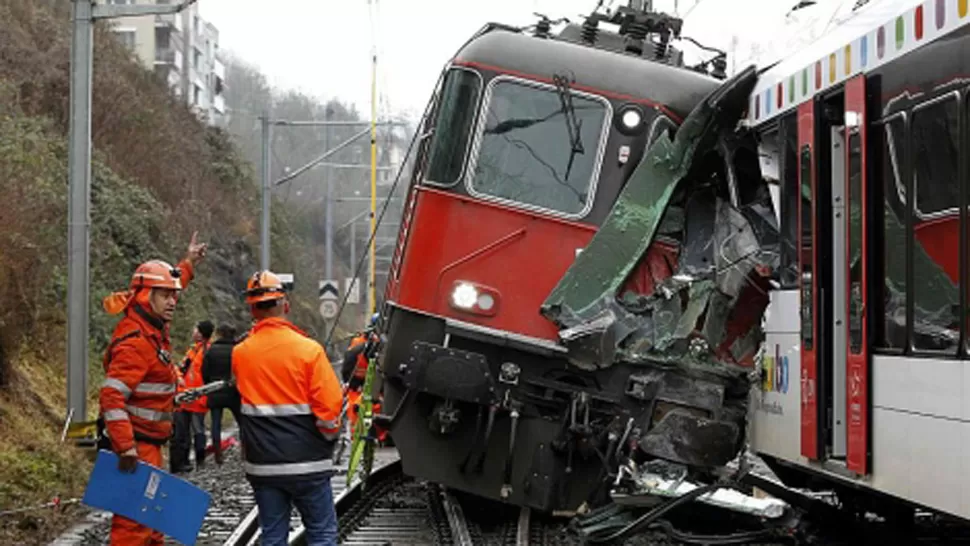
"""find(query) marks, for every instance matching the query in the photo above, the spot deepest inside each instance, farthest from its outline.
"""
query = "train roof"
(874, 36)
(676, 89)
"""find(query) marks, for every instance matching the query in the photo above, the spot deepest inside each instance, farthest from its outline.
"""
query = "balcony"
(168, 56)
(169, 20)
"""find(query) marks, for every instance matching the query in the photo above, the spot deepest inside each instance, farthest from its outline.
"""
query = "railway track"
(398, 510)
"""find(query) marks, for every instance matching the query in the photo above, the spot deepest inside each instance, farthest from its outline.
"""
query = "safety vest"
(193, 377)
(290, 403)
(138, 394)
(360, 370)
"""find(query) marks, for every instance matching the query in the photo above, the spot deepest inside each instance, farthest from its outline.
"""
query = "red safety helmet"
(156, 274)
(264, 286)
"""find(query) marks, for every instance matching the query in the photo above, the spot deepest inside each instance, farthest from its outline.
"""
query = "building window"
(453, 126)
(127, 38)
(536, 152)
(163, 38)
(935, 134)
(196, 95)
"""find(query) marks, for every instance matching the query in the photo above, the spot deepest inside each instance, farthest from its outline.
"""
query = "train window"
(789, 204)
(855, 240)
(891, 330)
(539, 147)
(807, 250)
(457, 106)
(935, 134)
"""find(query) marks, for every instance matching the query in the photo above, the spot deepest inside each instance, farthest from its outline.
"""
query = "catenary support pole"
(371, 288)
(83, 14)
(79, 210)
(328, 268)
(264, 242)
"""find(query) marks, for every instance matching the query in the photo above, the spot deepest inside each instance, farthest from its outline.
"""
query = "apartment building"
(183, 50)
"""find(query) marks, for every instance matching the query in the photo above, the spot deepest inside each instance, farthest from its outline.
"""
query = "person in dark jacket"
(217, 366)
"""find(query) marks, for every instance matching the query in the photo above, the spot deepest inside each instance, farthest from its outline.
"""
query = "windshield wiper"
(573, 125)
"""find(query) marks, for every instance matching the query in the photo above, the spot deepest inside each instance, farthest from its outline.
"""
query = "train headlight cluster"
(474, 298)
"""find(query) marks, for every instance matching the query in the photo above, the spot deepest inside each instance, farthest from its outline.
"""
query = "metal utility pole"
(371, 285)
(264, 248)
(84, 14)
(79, 210)
(328, 268)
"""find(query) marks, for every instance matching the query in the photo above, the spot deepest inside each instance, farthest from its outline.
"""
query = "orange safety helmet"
(156, 274)
(151, 274)
(264, 286)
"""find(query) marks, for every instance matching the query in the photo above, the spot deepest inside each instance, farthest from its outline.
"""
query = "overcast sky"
(322, 47)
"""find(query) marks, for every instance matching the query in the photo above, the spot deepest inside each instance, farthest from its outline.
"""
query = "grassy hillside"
(159, 175)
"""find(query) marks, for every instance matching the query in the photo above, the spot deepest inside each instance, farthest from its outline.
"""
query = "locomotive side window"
(935, 133)
(453, 127)
(891, 330)
(540, 147)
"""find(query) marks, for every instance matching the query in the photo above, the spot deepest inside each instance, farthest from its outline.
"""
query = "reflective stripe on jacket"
(138, 393)
(291, 402)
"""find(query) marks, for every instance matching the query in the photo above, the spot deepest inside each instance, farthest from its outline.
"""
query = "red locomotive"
(530, 140)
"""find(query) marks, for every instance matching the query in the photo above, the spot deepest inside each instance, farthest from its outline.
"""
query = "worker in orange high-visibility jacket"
(289, 418)
(138, 393)
(353, 371)
(193, 413)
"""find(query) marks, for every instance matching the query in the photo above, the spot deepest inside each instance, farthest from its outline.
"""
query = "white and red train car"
(866, 384)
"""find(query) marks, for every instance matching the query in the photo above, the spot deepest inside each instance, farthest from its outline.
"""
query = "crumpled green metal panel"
(585, 301)
(591, 283)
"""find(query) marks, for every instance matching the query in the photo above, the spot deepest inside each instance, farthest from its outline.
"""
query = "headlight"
(475, 298)
(631, 119)
(464, 296)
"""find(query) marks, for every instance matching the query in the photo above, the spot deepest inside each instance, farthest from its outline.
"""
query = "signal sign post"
(329, 294)
(353, 290)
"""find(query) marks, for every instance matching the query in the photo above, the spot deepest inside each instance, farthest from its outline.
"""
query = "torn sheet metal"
(675, 282)
(680, 188)
(593, 281)
(671, 481)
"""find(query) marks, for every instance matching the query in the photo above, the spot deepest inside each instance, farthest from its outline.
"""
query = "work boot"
(199, 459)
(217, 446)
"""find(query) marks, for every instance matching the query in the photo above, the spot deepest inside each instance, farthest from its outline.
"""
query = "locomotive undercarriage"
(530, 429)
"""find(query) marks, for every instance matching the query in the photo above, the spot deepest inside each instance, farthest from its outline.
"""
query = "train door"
(835, 370)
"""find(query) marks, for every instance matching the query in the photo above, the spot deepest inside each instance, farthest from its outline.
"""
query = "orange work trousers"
(126, 532)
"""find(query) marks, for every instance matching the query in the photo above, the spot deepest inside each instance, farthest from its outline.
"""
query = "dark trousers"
(216, 414)
(313, 499)
(179, 452)
(189, 426)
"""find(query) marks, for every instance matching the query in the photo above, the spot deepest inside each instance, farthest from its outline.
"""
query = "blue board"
(150, 496)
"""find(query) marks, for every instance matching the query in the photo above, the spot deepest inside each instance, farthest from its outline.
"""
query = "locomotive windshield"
(539, 147)
(453, 128)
